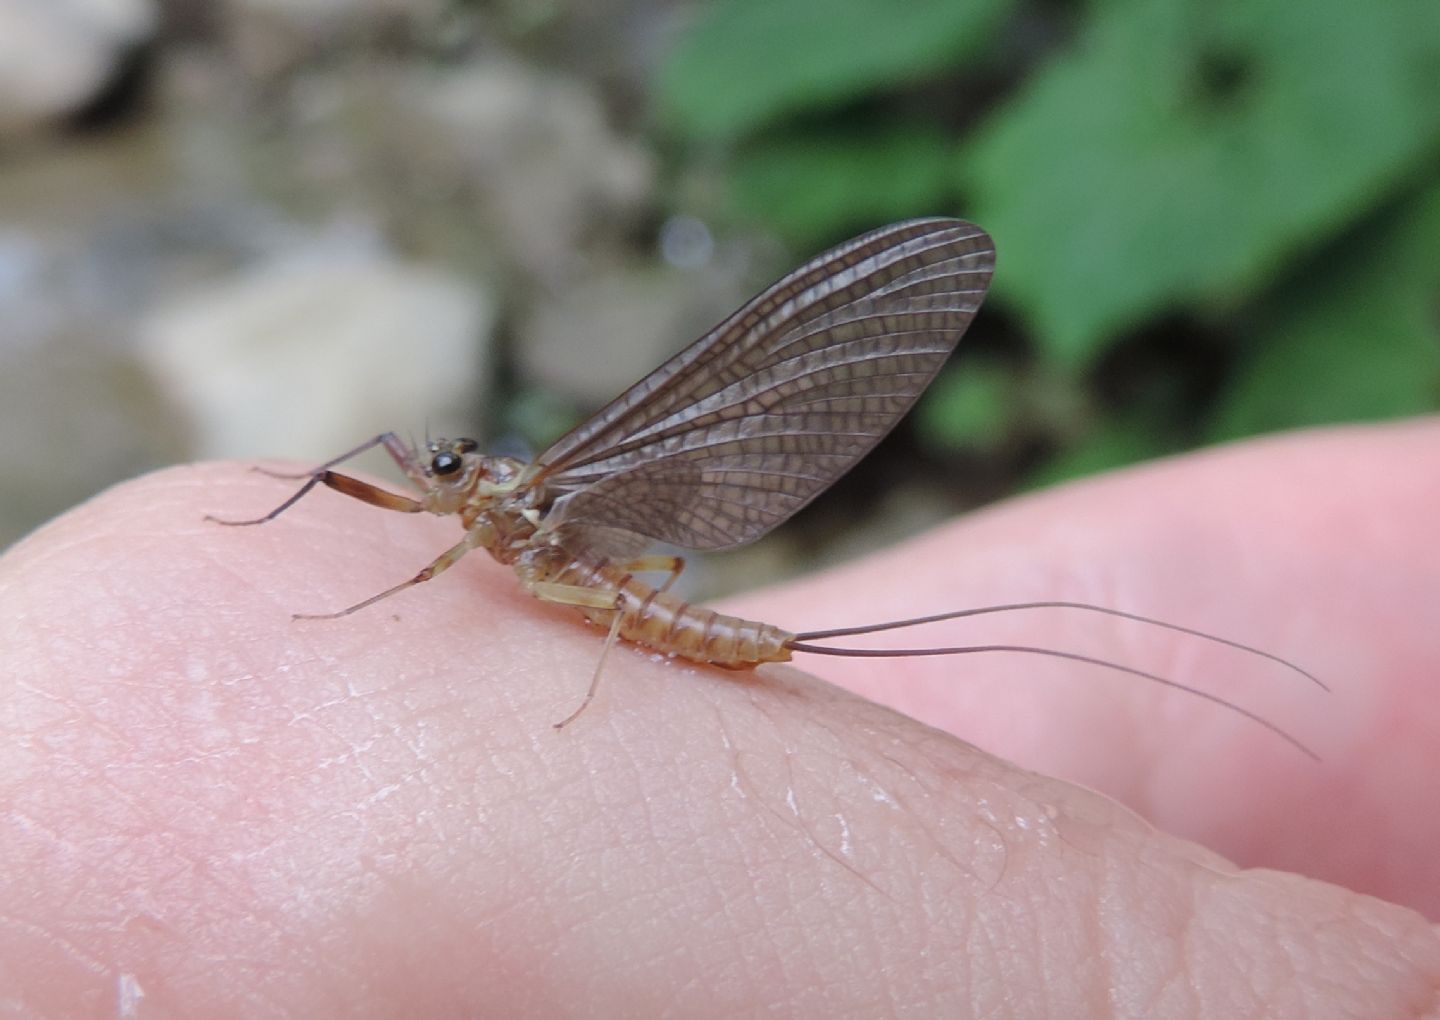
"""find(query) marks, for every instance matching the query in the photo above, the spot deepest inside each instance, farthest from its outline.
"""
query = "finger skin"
(209, 809)
(1319, 546)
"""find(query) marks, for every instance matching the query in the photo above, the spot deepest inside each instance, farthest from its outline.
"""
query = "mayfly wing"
(740, 430)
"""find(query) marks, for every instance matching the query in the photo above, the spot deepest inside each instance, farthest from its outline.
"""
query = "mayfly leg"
(592, 598)
(672, 566)
(438, 566)
(595, 678)
(346, 484)
(583, 598)
(400, 453)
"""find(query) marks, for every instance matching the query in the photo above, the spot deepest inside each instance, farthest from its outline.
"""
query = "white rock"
(56, 55)
(307, 357)
(545, 165)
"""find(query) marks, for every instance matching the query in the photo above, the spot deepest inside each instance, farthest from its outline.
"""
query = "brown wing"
(756, 418)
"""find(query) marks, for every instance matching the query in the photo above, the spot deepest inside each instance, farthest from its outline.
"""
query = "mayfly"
(716, 447)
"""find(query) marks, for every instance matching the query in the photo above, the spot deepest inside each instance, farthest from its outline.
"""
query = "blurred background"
(258, 229)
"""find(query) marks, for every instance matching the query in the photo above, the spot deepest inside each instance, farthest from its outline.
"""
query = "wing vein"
(772, 405)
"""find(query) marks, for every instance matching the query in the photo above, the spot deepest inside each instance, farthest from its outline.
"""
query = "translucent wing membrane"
(756, 418)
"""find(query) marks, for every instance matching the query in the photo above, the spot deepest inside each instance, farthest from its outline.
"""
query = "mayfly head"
(456, 475)
(452, 469)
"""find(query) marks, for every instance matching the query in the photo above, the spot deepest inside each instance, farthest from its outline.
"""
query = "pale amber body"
(648, 616)
(661, 620)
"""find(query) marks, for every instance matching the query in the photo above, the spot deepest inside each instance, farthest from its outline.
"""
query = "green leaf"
(1360, 339)
(973, 406)
(749, 62)
(1185, 149)
(811, 188)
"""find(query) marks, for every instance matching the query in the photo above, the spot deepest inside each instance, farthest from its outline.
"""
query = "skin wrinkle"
(937, 841)
(796, 820)
(759, 960)
(952, 857)
(837, 806)
(820, 844)
(1264, 986)
(1189, 946)
(772, 812)
(752, 793)
(1186, 947)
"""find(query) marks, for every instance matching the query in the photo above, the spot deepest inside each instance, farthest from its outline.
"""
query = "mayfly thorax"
(716, 447)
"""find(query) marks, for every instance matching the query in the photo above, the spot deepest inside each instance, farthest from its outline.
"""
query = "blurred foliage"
(1258, 176)
(753, 61)
(1354, 336)
(799, 184)
(976, 408)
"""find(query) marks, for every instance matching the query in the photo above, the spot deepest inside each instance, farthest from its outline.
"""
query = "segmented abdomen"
(658, 619)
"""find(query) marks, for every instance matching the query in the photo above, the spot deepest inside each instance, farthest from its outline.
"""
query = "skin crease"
(207, 809)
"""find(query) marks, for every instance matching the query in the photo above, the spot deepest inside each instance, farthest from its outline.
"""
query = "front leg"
(442, 563)
(349, 486)
(402, 454)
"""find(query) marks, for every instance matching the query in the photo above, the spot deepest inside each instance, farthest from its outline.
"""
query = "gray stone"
(305, 357)
(546, 170)
(57, 55)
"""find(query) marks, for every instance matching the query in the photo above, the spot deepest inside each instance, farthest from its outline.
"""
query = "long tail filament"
(804, 643)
